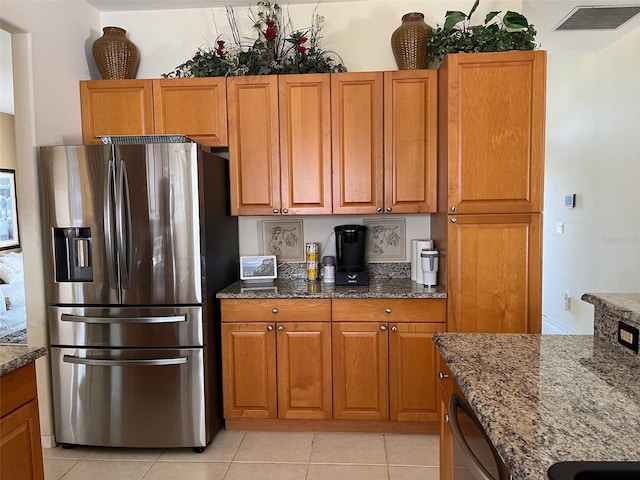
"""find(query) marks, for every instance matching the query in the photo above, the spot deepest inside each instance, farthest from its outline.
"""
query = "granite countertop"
(623, 305)
(300, 288)
(549, 398)
(12, 357)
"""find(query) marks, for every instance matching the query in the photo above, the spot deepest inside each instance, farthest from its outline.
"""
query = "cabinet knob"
(442, 375)
(275, 210)
(454, 220)
(446, 418)
(394, 329)
(285, 210)
(389, 209)
(379, 209)
(269, 328)
(383, 328)
(280, 328)
(387, 310)
(274, 311)
(454, 208)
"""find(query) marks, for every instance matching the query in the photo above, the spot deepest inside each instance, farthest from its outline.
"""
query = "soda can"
(312, 271)
(312, 250)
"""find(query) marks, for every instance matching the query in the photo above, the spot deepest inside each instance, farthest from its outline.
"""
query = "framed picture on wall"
(385, 239)
(9, 237)
(284, 239)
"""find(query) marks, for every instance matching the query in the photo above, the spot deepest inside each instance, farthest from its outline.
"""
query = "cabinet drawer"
(17, 388)
(389, 310)
(276, 310)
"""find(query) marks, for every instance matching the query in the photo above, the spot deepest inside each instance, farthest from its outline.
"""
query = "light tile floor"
(239, 455)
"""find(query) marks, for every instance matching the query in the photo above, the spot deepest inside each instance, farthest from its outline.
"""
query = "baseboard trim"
(557, 324)
(48, 441)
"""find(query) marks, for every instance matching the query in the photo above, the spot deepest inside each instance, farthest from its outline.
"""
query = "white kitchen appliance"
(429, 259)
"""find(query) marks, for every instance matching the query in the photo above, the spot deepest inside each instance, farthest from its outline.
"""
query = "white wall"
(593, 150)
(49, 40)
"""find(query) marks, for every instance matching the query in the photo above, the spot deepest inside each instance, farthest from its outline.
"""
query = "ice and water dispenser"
(72, 253)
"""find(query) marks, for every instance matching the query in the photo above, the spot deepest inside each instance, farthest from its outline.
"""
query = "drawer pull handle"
(274, 311)
(388, 310)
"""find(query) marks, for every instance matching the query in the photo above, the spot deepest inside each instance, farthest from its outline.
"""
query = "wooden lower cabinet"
(276, 369)
(20, 448)
(360, 371)
(413, 369)
(347, 360)
(386, 370)
(249, 370)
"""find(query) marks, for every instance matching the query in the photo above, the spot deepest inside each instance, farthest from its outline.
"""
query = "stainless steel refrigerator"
(137, 240)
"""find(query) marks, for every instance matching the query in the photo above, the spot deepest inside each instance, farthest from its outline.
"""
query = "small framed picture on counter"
(261, 268)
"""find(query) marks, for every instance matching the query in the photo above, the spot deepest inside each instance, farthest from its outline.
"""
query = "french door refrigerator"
(137, 240)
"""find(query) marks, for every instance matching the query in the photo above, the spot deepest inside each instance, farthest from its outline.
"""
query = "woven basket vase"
(115, 55)
(409, 42)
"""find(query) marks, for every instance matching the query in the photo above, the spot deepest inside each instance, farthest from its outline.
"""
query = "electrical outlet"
(628, 336)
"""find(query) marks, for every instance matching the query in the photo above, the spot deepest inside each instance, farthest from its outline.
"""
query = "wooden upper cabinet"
(492, 128)
(116, 107)
(410, 141)
(357, 142)
(195, 107)
(495, 273)
(254, 152)
(305, 143)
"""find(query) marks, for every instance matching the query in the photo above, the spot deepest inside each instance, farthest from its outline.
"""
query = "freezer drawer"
(126, 326)
(129, 397)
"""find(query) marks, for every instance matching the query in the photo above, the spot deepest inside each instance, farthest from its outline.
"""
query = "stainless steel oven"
(474, 456)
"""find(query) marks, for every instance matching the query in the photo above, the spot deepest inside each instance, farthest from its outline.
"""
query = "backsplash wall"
(319, 228)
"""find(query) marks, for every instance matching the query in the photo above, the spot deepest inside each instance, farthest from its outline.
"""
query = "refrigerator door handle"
(108, 201)
(155, 362)
(123, 227)
(65, 317)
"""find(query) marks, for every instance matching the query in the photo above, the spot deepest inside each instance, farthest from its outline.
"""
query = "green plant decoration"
(511, 32)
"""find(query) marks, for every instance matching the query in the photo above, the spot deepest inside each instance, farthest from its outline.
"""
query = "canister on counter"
(312, 271)
(312, 250)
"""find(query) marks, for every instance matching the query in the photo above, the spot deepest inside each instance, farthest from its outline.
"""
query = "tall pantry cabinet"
(490, 180)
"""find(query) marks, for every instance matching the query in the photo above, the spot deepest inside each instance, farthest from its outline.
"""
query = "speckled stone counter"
(609, 308)
(14, 357)
(300, 288)
(549, 398)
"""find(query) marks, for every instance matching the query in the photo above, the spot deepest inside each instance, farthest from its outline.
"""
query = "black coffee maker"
(351, 268)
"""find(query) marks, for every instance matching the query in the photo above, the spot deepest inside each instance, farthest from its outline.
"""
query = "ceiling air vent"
(597, 18)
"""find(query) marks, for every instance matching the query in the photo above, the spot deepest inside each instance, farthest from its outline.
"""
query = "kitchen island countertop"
(12, 357)
(300, 288)
(549, 398)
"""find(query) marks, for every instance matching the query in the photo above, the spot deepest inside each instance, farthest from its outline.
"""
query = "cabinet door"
(413, 367)
(410, 140)
(305, 143)
(304, 370)
(357, 142)
(494, 130)
(195, 107)
(495, 273)
(20, 448)
(254, 152)
(249, 370)
(360, 371)
(116, 107)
